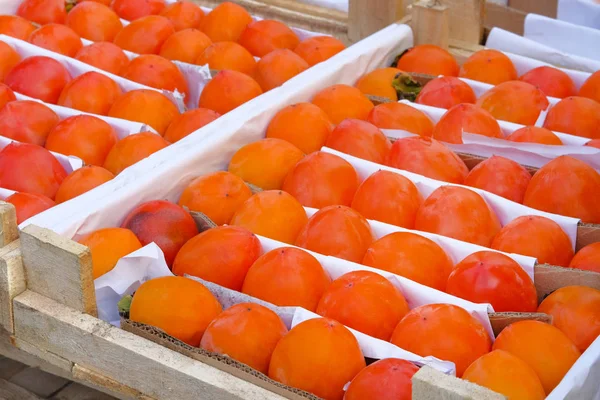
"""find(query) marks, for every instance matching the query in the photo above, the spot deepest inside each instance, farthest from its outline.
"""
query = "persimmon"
(304, 125)
(221, 255)
(379, 83)
(94, 21)
(104, 55)
(83, 136)
(387, 379)
(506, 374)
(500, 176)
(593, 143)
(337, 231)
(428, 59)
(228, 56)
(401, 116)
(80, 181)
(287, 276)
(548, 351)
(360, 139)
(145, 35)
(91, 92)
(262, 37)
(552, 81)
(320, 356)
(446, 92)
(27, 121)
(105, 2)
(534, 134)
(108, 246)
(6, 95)
(278, 67)
(591, 87)
(412, 256)
(28, 204)
(146, 106)
(246, 332)
(489, 66)
(566, 186)
(458, 213)
(272, 213)
(587, 258)
(428, 157)
(183, 15)
(185, 45)
(514, 101)
(132, 10)
(15, 26)
(322, 179)
(578, 116)
(9, 58)
(317, 49)
(43, 12)
(217, 195)
(228, 90)
(30, 168)
(164, 223)
(39, 77)
(465, 118)
(226, 22)
(132, 149)
(188, 122)
(181, 307)
(342, 101)
(57, 38)
(157, 72)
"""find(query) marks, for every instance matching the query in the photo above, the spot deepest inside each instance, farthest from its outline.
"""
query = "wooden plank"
(587, 234)
(75, 391)
(39, 382)
(504, 17)
(548, 8)
(10, 391)
(309, 9)
(427, 14)
(58, 268)
(94, 379)
(466, 19)
(548, 278)
(430, 384)
(8, 224)
(366, 17)
(12, 281)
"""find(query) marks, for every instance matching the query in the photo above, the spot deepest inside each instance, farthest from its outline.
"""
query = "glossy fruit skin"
(287, 276)
(145, 35)
(145, 106)
(317, 49)
(548, 351)
(489, 66)
(593, 143)
(94, 21)
(15, 26)
(412, 256)
(6, 95)
(506, 374)
(132, 149)
(28, 204)
(466, 118)
(27, 121)
(108, 246)
(57, 38)
(360, 139)
(103, 55)
(401, 116)
(80, 181)
(43, 11)
(238, 88)
(226, 22)
(387, 379)
(534, 134)
(157, 72)
(587, 258)
(337, 231)
(591, 87)
(189, 122)
(342, 101)
(50, 78)
(181, 307)
(9, 58)
(131, 10)
(578, 116)
(446, 92)
(90, 92)
(185, 45)
(264, 36)
(318, 355)
(183, 15)
(228, 56)
(500, 176)
(552, 81)
(278, 67)
(379, 83)
(428, 59)
(221, 255)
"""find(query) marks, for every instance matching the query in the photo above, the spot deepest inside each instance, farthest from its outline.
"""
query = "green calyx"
(406, 87)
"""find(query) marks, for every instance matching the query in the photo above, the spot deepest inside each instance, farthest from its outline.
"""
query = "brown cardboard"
(501, 320)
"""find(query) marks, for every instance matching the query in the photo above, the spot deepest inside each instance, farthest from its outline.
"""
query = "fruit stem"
(406, 87)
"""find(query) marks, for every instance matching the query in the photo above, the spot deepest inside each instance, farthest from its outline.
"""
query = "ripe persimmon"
(379, 83)
(317, 49)
(446, 92)
(145, 35)
(15, 26)
(587, 258)
(108, 246)
(157, 72)
(188, 122)
(80, 181)
(390, 378)
(552, 81)
(467, 118)
(591, 87)
(27, 121)
(593, 143)
(514, 101)
(534, 134)
(500, 176)
(9, 58)
(104, 55)
(185, 45)
(28, 204)
(226, 22)
(428, 59)
(146, 106)
(278, 67)
(360, 139)
(91, 92)
(228, 56)
(183, 15)
(342, 101)
(57, 38)
(228, 90)
(43, 12)
(6, 95)
(578, 116)
(401, 116)
(132, 149)
(264, 36)
(131, 10)
(489, 66)
(39, 77)
(94, 21)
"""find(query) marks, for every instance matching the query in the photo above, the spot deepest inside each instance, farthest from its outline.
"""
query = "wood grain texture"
(504, 17)
(431, 23)
(548, 8)
(430, 384)
(548, 278)
(10, 391)
(466, 19)
(9, 231)
(366, 17)
(12, 281)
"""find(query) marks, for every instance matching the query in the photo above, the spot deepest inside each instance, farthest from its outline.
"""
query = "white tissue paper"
(580, 12)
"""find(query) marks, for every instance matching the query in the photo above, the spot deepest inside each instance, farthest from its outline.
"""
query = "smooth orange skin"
(27, 204)
(514, 101)
(553, 82)
(221, 255)
(466, 118)
(132, 149)
(500, 176)
(264, 36)
(337, 231)
(188, 122)
(80, 181)
(185, 45)
(181, 307)
(428, 59)
(226, 22)
(83, 136)
(322, 179)
(316, 49)
(388, 197)
(379, 83)
(535, 236)
(591, 87)
(342, 101)
(428, 157)
(318, 355)
(272, 213)
(105, 2)
(9, 58)
(360, 139)
(108, 246)
(534, 134)
(287, 276)
(43, 11)
(58, 38)
(15, 26)
(228, 90)
(183, 15)
(265, 163)
(29, 168)
(27, 121)
(506, 374)
(164, 223)
(94, 21)
(91, 92)
(246, 332)
(446, 92)
(304, 125)
(593, 143)
(489, 66)
(401, 116)
(578, 116)
(104, 55)
(145, 106)
(278, 67)
(566, 186)
(365, 301)
(412, 256)
(587, 258)
(444, 331)
(157, 72)
(548, 351)
(145, 35)
(131, 10)
(387, 379)
(228, 56)
(38, 77)
(217, 195)
(458, 213)
(6, 95)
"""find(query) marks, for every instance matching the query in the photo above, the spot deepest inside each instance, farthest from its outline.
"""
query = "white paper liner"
(580, 12)
(5, 193)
